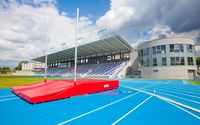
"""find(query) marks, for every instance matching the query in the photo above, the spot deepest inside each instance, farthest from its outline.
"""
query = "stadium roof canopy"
(106, 45)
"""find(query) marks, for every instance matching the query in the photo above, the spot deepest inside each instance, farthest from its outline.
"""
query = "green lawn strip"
(9, 81)
(194, 82)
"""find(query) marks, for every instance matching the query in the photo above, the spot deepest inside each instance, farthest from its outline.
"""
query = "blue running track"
(135, 102)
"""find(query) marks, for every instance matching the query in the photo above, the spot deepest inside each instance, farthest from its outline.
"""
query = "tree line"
(5, 70)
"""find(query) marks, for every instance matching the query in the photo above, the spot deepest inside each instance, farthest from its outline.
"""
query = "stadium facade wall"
(169, 58)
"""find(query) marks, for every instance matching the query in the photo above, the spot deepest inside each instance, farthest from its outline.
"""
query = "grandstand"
(108, 57)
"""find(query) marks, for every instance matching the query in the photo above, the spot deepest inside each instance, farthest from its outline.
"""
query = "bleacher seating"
(90, 69)
(106, 68)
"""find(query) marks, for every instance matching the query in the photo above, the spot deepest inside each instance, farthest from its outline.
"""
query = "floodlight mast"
(76, 43)
(45, 69)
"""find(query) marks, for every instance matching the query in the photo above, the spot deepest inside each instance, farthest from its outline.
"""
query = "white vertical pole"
(45, 75)
(76, 42)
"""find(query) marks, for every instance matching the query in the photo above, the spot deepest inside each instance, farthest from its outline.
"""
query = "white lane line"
(6, 96)
(168, 82)
(164, 98)
(197, 102)
(185, 82)
(177, 97)
(183, 87)
(131, 110)
(87, 113)
(162, 89)
(184, 110)
(180, 91)
(3, 100)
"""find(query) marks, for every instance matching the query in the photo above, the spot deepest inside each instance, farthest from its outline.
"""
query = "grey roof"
(106, 45)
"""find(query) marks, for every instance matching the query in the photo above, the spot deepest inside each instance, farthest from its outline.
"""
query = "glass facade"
(167, 55)
(146, 51)
(155, 62)
(177, 61)
(159, 49)
(146, 62)
(176, 48)
(190, 61)
(164, 61)
(189, 48)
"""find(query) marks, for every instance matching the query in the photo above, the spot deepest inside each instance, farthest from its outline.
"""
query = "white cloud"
(160, 31)
(117, 16)
(24, 29)
(131, 18)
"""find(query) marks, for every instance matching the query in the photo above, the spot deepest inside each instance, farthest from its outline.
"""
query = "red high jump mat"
(59, 89)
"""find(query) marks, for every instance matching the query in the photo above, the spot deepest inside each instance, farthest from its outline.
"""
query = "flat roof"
(102, 46)
(159, 41)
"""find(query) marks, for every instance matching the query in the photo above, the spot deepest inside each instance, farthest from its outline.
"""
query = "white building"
(33, 66)
(170, 58)
(28, 66)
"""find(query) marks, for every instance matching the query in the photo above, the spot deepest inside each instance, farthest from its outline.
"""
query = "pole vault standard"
(76, 42)
(45, 69)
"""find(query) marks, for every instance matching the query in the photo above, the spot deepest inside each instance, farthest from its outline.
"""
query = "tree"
(198, 62)
(5, 70)
(19, 67)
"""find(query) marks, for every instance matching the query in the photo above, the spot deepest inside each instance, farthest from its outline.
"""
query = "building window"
(140, 53)
(159, 49)
(163, 49)
(154, 50)
(141, 62)
(190, 61)
(189, 48)
(146, 51)
(171, 47)
(164, 61)
(176, 48)
(154, 61)
(177, 61)
(146, 62)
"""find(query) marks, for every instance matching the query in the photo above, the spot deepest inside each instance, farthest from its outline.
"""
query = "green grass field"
(194, 82)
(9, 81)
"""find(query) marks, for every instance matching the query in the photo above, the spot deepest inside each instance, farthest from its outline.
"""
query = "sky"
(26, 24)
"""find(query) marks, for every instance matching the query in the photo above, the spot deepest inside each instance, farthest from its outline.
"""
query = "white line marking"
(162, 89)
(183, 87)
(131, 110)
(185, 82)
(177, 97)
(87, 113)
(197, 102)
(3, 100)
(180, 91)
(164, 98)
(168, 82)
(6, 96)
(184, 110)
